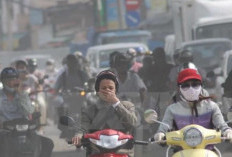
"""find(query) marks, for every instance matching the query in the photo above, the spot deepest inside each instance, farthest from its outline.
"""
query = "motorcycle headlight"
(22, 127)
(109, 142)
(193, 137)
(32, 127)
(82, 93)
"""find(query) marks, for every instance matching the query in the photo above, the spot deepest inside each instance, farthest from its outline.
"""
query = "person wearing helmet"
(106, 113)
(160, 89)
(32, 66)
(112, 60)
(192, 107)
(132, 86)
(71, 78)
(29, 82)
(15, 103)
(136, 63)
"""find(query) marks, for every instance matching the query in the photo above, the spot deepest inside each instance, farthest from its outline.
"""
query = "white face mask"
(191, 94)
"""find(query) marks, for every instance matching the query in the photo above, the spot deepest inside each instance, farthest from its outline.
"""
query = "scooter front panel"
(195, 153)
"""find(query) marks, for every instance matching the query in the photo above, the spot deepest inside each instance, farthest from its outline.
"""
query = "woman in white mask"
(192, 106)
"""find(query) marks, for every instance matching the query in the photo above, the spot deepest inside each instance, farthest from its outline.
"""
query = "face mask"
(8, 89)
(191, 94)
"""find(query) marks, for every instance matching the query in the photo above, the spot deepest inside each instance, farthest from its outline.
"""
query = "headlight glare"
(109, 142)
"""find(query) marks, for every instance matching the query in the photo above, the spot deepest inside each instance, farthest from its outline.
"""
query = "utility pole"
(121, 14)
(1, 33)
(9, 16)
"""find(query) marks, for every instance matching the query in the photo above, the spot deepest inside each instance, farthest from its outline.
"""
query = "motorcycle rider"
(71, 76)
(15, 103)
(193, 106)
(159, 92)
(109, 111)
(132, 86)
(29, 82)
(32, 66)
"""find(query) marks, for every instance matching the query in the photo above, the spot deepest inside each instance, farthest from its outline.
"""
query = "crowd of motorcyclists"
(115, 98)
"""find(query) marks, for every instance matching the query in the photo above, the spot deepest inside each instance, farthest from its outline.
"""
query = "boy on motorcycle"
(192, 106)
(109, 112)
(15, 103)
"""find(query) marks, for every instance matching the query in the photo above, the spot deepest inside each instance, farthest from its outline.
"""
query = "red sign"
(132, 5)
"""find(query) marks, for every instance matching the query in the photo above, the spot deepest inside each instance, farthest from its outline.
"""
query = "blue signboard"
(112, 14)
(133, 18)
(112, 10)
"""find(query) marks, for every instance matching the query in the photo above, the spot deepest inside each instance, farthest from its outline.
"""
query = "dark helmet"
(8, 73)
(106, 74)
(123, 59)
(188, 65)
(158, 52)
(176, 54)
(186, 56)
(32, 62)
(112, 58)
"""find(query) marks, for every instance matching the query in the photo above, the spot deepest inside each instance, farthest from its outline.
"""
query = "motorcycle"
(22, 140)
(74, 102)
(191, 141)
(103, 143)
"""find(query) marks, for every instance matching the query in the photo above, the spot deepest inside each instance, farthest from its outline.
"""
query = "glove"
(159, 137)
(228, 134)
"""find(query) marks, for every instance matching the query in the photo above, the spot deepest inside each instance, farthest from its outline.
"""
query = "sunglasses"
(187, 85)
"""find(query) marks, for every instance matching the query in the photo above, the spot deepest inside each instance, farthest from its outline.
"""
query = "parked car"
(98, 56)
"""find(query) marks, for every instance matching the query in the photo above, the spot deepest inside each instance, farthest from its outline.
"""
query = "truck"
(201, 19)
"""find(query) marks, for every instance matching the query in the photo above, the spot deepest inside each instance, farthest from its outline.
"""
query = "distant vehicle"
(227, 63)
(213, 27)
(226, 67)
(123, 36)
(209, 19)
(208, 53)
(98, 56)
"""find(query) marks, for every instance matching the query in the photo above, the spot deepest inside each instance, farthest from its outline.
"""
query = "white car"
(98, 56)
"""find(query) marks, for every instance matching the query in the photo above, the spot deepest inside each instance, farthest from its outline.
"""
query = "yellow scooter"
(193, 139)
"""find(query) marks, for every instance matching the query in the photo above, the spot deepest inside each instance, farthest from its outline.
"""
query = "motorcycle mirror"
(67, 121)
(150, 116)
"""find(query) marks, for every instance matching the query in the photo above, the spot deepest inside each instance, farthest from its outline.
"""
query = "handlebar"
(141, 142)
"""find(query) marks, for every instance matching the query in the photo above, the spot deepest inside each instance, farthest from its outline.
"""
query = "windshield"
(223, 30)
(123, 39)
(104, 56)
(210, 53)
